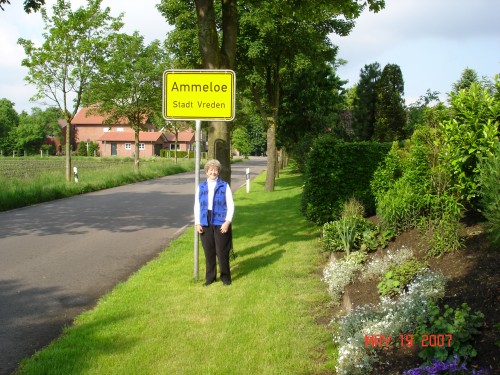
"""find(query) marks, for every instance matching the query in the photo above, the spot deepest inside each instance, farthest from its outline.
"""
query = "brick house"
(185, 141)
(122, 144)
(119, 139)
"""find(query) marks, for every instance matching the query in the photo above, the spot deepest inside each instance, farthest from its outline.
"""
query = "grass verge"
(161, 321)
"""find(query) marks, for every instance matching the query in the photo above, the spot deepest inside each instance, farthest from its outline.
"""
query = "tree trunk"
(68, 151)
(219, 147)
(136, 156)
(214, 57)
(271, 156)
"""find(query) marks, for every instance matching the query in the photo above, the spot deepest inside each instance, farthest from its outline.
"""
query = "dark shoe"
(226, 283)
(208, 283)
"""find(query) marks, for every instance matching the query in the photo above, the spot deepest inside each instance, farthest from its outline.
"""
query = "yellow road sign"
(199, 95)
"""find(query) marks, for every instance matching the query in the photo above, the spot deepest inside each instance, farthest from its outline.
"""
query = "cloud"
(432, 42)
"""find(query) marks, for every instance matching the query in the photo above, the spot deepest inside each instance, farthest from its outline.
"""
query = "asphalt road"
(58, 258)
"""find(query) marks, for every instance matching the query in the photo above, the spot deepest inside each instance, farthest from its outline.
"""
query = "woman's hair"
(212, 164)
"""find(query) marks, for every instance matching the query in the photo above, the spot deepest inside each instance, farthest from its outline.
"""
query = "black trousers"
(217, 247)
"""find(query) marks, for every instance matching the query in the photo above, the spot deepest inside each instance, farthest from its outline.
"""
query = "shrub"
(402, 182)
(490, 193)
(388, 172)
(337, 171)
(398, 276)
(93, 149)
(352, 231)
(340, 273)
(442, 226)
(469, 136)
(82, 149)
(378, 267)
(390, 317)
(460, 323)
(400, 208)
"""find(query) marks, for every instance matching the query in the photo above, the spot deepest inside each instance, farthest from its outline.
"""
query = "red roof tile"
(186, 136)
(83, 117)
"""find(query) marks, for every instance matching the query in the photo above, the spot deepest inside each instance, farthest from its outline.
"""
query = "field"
(31, 180)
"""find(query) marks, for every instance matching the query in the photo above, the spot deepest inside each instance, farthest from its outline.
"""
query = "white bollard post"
(248, 180)
(75, 172)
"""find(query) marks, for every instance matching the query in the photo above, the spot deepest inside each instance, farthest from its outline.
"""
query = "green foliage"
(81, 150)
(241, 141)
(164, 153)
(9, 119)
(467, 79)
(489, 179)
(388, 172)
(29, 5)
(401, 184)
(418, 112)
(337, 171)
(310, 103)
(301, 150)
(460, 323)
(363, 116)
(468, 137)
(390, 116)
(93, 149)
(441, 226)
(352, 231)
(398, 276)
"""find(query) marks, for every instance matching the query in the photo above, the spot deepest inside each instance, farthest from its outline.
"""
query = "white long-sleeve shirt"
(211, 191)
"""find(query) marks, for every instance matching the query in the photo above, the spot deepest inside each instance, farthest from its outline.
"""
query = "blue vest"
(219, 207)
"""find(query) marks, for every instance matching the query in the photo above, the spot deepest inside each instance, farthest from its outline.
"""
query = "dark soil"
(472, 278)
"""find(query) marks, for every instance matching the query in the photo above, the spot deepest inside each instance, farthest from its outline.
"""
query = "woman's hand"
(199, 228)
(225, 227)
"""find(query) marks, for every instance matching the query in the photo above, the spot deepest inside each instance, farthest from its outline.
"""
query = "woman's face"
(212, 173)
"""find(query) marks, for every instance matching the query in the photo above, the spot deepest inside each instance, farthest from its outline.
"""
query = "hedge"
(337, 171)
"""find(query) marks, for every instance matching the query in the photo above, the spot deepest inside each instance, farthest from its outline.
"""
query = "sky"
(432, 41)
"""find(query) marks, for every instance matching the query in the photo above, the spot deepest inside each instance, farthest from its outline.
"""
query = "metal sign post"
(196, 183)
(200, 95)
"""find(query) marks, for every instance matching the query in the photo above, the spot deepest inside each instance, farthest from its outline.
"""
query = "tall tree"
(273, 34)
(390, 116)
(30, 134)
(76, 43)
(217, 28)
(278, 35)
(363, 117)
(311, 101)
(128, 88)
(9, 119)
(468, 77)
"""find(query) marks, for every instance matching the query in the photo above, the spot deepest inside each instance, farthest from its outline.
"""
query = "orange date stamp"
(407, 340)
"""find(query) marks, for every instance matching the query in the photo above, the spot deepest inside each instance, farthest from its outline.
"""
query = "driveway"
(59, 257)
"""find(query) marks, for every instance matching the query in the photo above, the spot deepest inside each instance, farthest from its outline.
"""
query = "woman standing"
(213, 213)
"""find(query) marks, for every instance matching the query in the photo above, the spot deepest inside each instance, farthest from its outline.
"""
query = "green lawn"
(161, 321)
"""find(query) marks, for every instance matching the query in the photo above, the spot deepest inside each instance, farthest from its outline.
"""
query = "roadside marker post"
(248, 180)
(199, 95)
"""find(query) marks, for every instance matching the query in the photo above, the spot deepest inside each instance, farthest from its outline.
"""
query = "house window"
(105, 130)
(172, 146)
(142, 146)
(119, 129)
(128, 146)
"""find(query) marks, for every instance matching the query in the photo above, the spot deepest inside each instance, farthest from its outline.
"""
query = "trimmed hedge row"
(337, 171)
